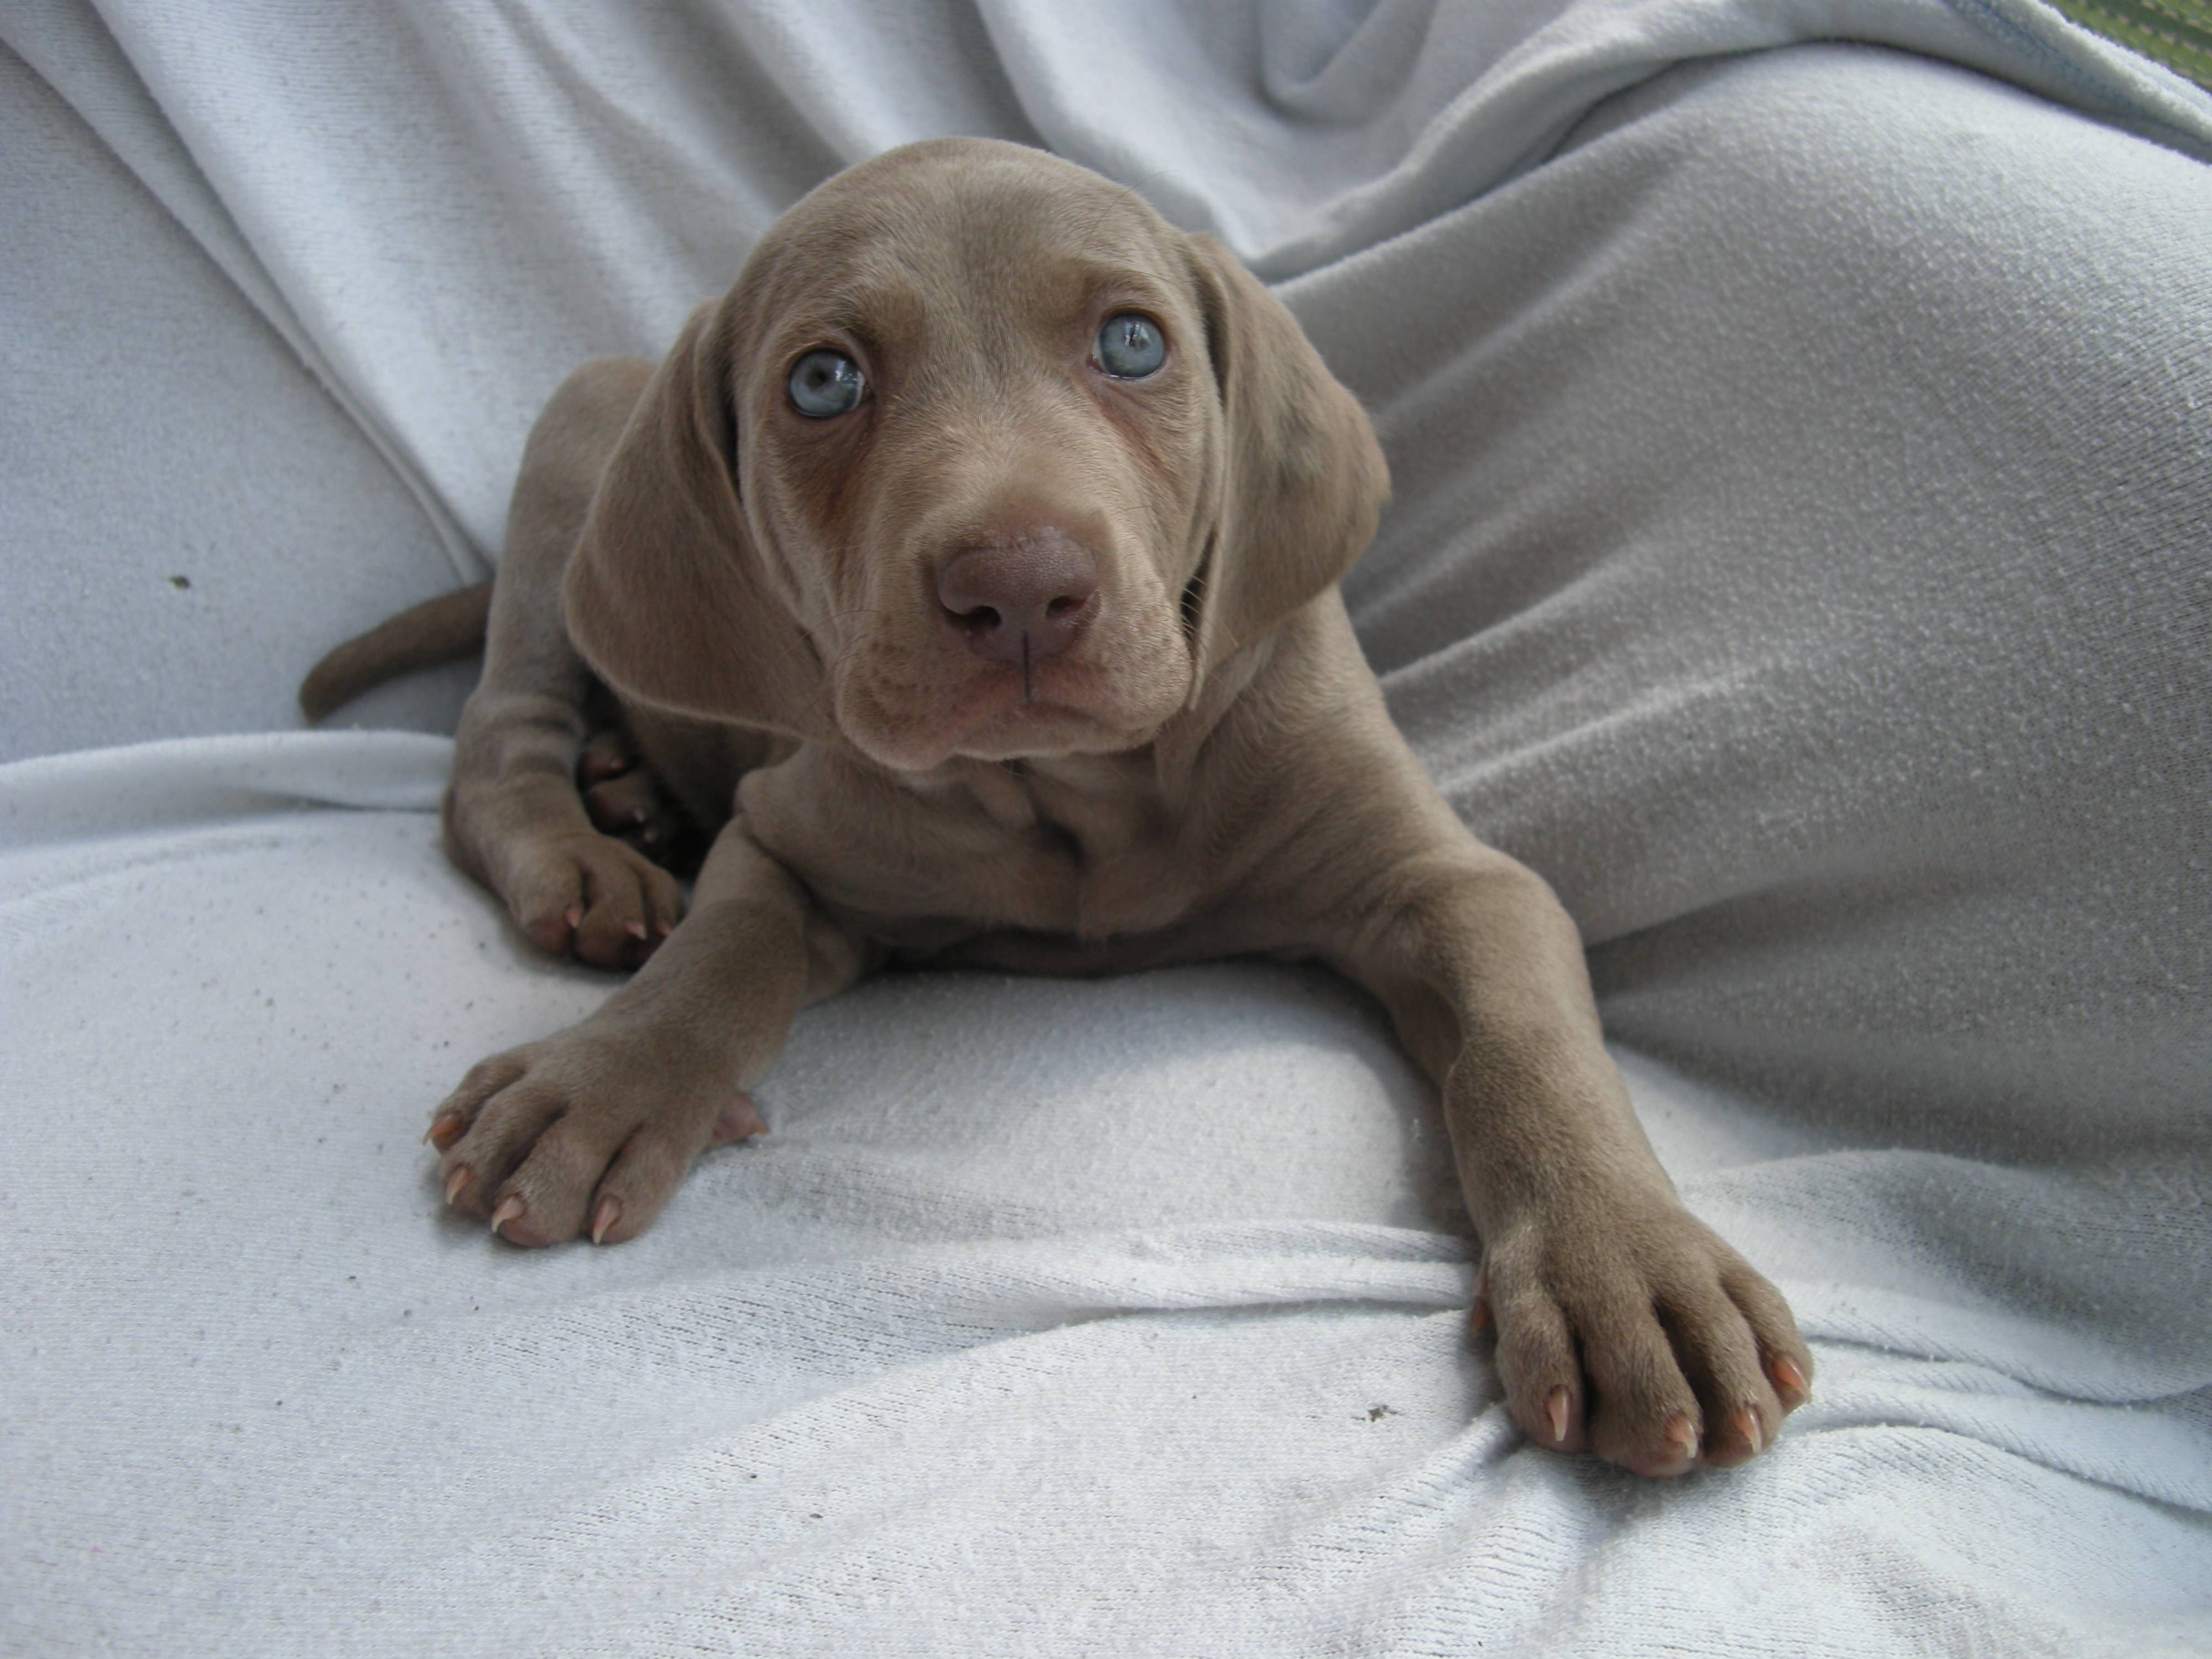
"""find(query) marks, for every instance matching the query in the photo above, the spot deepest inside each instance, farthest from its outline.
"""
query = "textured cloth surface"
(188, 519)
(1799, 555)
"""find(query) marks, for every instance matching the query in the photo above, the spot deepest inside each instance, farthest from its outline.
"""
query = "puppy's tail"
(435, 631)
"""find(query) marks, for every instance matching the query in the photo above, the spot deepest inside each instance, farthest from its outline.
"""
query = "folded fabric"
(1797, 556)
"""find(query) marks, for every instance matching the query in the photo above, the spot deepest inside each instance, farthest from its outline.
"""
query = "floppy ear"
(667, 597)
(1305, 479)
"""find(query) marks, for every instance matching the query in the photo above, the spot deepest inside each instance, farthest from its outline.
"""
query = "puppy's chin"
(1036, 731)
(988, 717)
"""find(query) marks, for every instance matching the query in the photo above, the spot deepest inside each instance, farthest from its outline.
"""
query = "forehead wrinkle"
(855, 292)
(976, 194)
(1072, 244)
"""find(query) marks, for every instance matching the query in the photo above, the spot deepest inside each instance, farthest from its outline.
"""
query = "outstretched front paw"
(1629, 1329)
(587, 1131)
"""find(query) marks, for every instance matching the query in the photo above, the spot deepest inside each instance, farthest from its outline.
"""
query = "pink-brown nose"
(1020, 602)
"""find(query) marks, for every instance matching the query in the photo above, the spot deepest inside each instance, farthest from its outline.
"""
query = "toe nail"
(509, 1208)
(634, 929)
(1683, 1433)
(1746, 1424)
(441, 1130)
(738, 1119)
(1787, 1378)
(604, 1216)
(573, 917)
(456, 1181)
(1555, 1408)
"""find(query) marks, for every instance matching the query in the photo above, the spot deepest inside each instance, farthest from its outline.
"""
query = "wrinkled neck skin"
(1157, 772)
(1074, 863)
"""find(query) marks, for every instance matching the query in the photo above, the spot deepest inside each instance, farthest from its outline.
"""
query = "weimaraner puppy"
(972, 564)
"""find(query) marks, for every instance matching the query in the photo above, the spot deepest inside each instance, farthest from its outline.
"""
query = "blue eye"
(824, 384)
(1131, 346)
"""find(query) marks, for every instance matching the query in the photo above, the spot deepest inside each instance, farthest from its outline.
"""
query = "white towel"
(1798, 555)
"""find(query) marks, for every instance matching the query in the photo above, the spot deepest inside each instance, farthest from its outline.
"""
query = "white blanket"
(1799, 555)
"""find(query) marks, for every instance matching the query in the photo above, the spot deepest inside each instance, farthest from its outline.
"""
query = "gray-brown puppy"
(973, 565)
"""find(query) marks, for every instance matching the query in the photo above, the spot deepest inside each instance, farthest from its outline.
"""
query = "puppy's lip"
(1030, 731)
(1001, 725)
(1040, 731)
(1053, 693)
(1005, 727)
(1041, 714)
(924, 711)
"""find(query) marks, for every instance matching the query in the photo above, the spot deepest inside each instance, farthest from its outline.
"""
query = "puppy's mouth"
(1032, 708)
(1067, 703)
(1024, 723)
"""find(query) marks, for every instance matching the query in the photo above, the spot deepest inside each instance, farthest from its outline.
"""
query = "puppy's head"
(979, 456)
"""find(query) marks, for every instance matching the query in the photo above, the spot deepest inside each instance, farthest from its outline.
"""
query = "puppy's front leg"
(1625, 1325)
(514, 818)
(592, 1129)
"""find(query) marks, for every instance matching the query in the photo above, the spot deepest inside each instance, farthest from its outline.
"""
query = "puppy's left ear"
(1305, 479)
(667, 595)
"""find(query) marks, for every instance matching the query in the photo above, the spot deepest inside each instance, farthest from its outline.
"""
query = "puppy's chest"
(1084, 847)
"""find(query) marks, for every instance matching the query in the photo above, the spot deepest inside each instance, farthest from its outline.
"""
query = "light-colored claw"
(738, 1119)
(509, 1208)
(1745, 1422)
(1683, 1433)
(1788, 1382)
(1555, 1409)
(604, 1214)
(455, 1181)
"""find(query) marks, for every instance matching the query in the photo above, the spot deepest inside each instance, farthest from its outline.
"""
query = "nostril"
(979, 619)
(1065, 604)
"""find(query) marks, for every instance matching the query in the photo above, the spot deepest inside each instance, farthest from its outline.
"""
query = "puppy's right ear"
(666, 595)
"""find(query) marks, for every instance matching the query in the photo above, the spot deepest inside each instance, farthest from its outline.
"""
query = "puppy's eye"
(825, 383)
(1131, 346)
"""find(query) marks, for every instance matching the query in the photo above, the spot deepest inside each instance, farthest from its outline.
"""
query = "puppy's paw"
(590, 894)
(608, 752)
(588, 1132)
(623, 796)
(1631, 1330)
(632, 808)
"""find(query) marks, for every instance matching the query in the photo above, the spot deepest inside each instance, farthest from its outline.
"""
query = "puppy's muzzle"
(1020, 601)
